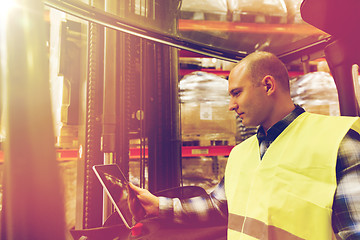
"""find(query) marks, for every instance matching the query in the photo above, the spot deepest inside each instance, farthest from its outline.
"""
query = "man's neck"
(279, 116)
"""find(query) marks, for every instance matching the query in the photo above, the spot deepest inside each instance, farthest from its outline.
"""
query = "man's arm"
(346, 207)
(203, 209)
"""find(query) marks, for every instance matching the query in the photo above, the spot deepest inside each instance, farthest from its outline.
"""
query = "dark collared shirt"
(265, 139)
(346, 206)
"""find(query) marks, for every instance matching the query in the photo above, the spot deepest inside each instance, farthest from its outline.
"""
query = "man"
(297, 178)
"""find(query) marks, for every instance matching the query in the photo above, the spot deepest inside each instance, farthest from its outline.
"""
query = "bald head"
(259, 64)
(259, 90)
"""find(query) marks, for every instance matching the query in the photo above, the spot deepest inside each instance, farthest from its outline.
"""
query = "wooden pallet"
(208, 140)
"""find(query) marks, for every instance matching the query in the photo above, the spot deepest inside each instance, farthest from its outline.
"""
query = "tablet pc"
(115, 186)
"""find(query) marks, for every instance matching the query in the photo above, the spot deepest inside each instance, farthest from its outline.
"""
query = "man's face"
(248, 100)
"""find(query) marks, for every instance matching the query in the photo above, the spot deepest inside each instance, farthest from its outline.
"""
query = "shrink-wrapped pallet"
(204, 9)
(269, 11)
(204, 109)
(204, 5)
(316, 92)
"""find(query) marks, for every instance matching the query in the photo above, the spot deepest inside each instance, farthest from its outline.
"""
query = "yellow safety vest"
(289, 193)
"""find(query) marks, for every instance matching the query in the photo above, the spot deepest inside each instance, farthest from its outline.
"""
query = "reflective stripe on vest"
(289, 193)
(258, 229)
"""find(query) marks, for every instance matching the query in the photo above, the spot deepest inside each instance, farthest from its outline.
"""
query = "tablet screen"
(115, 185)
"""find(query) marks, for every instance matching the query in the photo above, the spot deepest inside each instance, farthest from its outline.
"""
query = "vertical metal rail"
(142, 133)
(123, 103)
(109, 98)
(93, 154)
(163, 118)
(32, 202)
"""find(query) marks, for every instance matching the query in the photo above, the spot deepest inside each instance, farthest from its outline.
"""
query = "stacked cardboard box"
(204, 109)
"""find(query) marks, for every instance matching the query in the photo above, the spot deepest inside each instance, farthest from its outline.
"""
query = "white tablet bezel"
(120, 176)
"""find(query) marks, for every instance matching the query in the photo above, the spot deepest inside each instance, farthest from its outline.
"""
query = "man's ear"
(269, 84)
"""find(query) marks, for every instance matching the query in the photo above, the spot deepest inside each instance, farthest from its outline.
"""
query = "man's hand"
(142, 202)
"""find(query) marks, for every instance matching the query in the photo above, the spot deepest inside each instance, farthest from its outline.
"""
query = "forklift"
(127, 63)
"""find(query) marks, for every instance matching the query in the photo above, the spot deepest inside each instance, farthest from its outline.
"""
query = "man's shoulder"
(317, 115)
(330, 119)
(245, 142)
